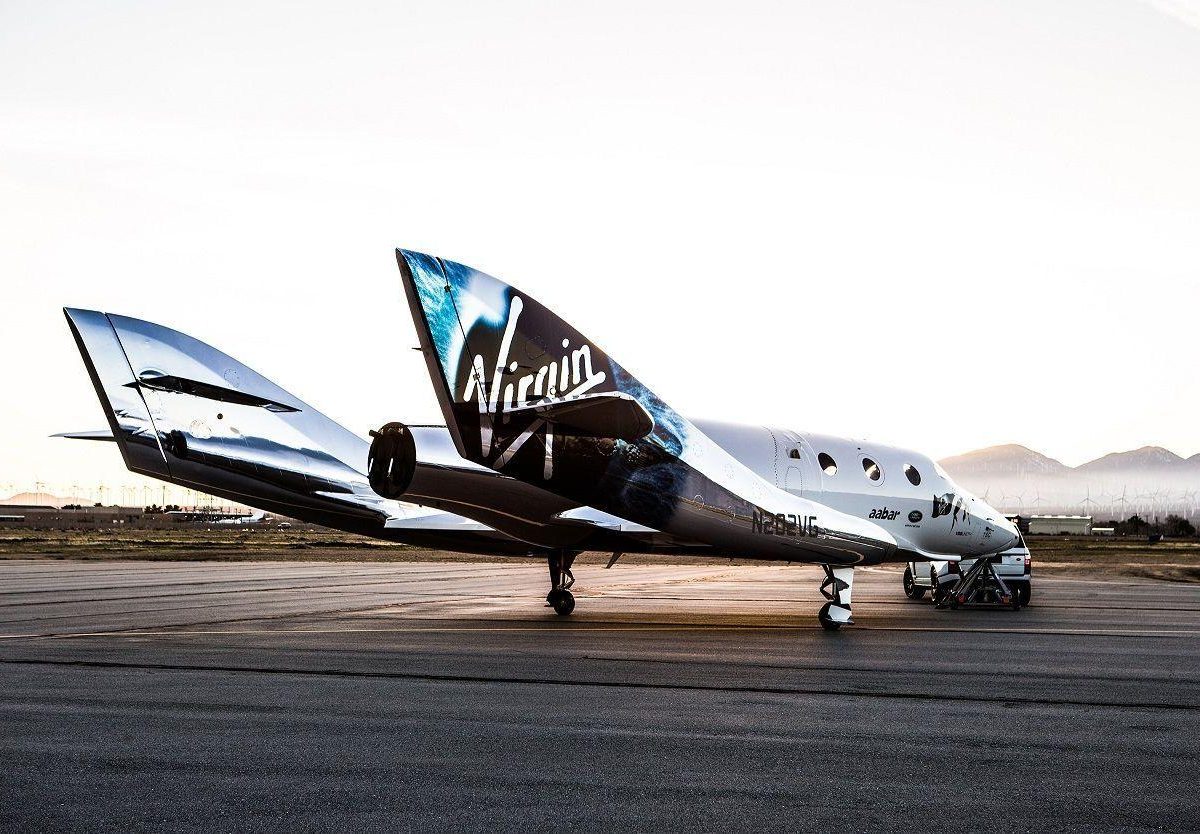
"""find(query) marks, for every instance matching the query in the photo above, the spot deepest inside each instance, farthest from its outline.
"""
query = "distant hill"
(1145, 458)
(1009, 459)
(44, 499)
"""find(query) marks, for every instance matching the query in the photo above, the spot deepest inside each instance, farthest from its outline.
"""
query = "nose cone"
(1006, 534)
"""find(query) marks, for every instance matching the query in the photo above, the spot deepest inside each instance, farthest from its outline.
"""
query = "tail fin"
(509, 370)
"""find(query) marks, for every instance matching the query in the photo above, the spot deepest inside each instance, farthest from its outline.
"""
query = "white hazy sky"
(939, 224)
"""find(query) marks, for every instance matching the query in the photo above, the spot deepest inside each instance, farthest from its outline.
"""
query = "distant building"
(1054, 525)
(53, 518)
(1104, 531)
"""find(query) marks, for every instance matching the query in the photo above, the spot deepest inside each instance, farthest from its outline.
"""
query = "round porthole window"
(828, 465)
(910, 472)
(872, 470)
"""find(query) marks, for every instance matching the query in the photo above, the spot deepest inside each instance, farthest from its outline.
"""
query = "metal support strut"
(836, 588)
(561, 579)
(980, 584)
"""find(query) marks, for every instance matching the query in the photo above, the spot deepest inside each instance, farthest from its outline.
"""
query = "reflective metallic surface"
(231, 432)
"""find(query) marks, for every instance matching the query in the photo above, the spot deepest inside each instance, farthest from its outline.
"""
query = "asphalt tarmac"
(272, 696)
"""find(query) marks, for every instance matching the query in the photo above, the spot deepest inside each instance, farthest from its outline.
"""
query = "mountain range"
(1015, 478)
(43, 499)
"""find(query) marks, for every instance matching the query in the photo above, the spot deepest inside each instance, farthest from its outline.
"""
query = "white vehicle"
(1014, 566)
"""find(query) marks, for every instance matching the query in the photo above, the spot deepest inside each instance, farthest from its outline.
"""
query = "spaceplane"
(549, 448)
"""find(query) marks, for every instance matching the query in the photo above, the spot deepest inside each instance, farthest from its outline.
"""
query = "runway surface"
(444, 696)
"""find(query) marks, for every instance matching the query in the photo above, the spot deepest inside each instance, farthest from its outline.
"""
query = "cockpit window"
(795, 453)
(828, 465)
(872, 469)
(910, 472)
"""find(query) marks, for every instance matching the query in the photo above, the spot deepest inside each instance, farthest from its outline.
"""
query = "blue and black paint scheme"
(527, 395)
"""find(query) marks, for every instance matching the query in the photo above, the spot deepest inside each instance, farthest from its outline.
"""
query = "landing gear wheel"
(561, 578)
(910, 588)
(826, 622)
(1015, 603)
(562, 601)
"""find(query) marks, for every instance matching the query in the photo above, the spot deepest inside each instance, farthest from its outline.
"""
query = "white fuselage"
(934, 518)
(902, 491)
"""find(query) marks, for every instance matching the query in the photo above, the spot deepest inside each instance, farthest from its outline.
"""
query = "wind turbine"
(1190, 507)
(1142, 502)
(1157, 503)
(1088, 499)
(1121, 500)
(1020, 500)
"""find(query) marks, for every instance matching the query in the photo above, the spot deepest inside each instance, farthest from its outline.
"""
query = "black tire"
(1022, 591)
(938, 594)
(911, 590)
(563, 601)
(827, 623)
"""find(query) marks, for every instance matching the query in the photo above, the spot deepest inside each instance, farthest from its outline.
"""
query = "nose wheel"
(560, 597)
(827, 622)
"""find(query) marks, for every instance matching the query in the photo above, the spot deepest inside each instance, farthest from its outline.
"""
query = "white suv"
(1014, 567)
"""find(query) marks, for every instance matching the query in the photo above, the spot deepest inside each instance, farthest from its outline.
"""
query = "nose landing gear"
(836, 588)
(560, 597)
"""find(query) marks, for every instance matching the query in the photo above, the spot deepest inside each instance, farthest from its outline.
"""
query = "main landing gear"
(836, 588)
(561, 579)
